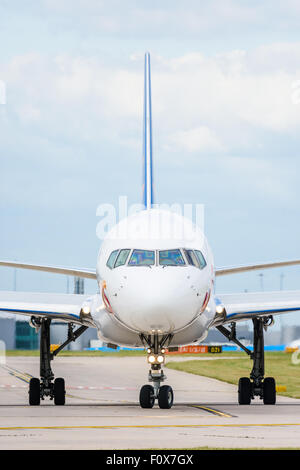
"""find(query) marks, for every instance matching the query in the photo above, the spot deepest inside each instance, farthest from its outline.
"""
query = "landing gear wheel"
(245, 391)
(59, 391)
(147, 397)
(34, 392)
(269, 391)
(165, 397)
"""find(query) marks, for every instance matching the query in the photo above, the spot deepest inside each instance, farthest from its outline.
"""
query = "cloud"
(199, 139)
(191, 94)
(167, 18)
(225, 118)
(227, 105)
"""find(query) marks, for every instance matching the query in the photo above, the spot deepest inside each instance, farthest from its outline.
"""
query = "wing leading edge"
(85, 273)
(254, 267)
(248, 305)
(63, 307)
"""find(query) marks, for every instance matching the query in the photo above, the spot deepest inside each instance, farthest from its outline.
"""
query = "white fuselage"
(155, 299)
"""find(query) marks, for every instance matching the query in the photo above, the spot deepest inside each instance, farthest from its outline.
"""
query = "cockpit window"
(171, 258)
(201, 259)
(112, 258)
(191, 258)
(142, 258)
(122, 258)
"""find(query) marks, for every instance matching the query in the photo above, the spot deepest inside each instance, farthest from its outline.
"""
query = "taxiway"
(102, 410)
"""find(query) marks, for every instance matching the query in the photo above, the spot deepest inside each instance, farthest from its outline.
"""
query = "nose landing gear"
(156, 358)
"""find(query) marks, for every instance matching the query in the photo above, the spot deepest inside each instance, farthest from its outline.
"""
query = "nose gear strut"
(156, 358)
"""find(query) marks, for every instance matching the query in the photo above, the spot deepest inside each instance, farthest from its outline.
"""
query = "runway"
(102, 410)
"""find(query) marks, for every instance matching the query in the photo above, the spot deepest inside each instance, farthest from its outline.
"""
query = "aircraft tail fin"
(147, 138)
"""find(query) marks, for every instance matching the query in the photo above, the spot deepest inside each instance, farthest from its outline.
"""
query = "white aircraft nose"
(163, 301)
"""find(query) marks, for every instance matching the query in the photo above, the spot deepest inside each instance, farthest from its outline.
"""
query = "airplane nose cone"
(163, 302)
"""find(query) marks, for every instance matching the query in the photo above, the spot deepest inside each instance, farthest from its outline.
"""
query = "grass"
(278, 365)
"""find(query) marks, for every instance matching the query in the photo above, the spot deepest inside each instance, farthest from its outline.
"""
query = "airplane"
(155, 273)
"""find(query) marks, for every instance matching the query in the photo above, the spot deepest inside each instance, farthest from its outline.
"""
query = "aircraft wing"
(248, 305)
(63, 307)
(255, 267)
(91, 274)
(85, 273)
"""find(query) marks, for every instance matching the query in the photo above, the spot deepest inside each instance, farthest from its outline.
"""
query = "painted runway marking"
(148, 426)
(19, 375)
(78, 387)
(25, 377)
(213, 411)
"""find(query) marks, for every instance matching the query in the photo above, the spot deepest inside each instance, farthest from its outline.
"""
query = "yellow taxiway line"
(213, 411)
(19, 375)
(146, 426)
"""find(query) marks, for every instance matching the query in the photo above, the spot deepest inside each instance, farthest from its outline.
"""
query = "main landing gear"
(156, 358)
(47, 386)
(256, 384)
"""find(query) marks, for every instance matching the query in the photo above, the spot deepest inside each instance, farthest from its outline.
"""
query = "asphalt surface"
(102, 410)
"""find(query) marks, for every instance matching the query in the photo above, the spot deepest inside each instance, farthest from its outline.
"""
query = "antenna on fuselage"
(147, 137)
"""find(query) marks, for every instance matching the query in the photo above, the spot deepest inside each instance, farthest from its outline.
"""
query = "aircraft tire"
(165, 397)
(59, 391)
(244, 391)
(147, 398)
(269, 391)
(34, 392)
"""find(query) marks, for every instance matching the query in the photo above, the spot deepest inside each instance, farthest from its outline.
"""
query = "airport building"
(17, 333)
(273, 337)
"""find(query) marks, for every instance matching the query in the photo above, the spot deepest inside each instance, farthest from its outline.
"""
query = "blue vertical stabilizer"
(147, 144)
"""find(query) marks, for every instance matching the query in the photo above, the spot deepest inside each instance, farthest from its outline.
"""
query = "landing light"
(156, 359)
(151, 359)
(219, 309)
(86, 310)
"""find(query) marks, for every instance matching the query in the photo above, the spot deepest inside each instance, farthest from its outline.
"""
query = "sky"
(226, 118)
